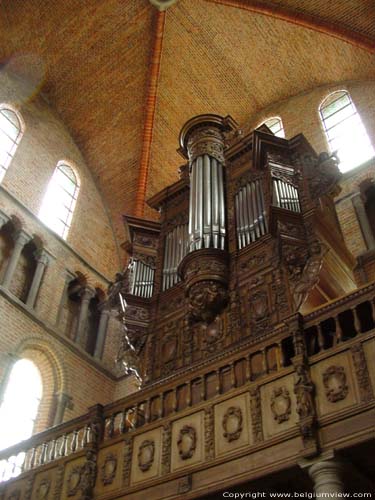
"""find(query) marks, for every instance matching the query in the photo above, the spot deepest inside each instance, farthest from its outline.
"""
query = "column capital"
(87, 293)
(21, 238)
(3, 219)
(42, 256)
(326, 471)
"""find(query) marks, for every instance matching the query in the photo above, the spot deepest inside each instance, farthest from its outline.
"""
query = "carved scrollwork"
(43, 489)
(334, 380)
(74, 481)
(108, 469)
(363, 376)
(209, 432)
(256, 414)
(208, 141)
(187, 442)
(184, 484)
(259, 306)
(206, 300)
(323, 174)
(146, 454)
(166, 451)
(281, 404)
(232, 423)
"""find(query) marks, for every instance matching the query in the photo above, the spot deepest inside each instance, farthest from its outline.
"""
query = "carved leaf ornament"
(74, 480)
(43, 489)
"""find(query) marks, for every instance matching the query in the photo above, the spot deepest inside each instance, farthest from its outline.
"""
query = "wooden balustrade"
(56, 442)
(341, 320)
(324, 328)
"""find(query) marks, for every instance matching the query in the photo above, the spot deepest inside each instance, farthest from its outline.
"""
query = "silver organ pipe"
(207, 210)
(176, 247)
(285, 195)
(250, 213)
(143, 279)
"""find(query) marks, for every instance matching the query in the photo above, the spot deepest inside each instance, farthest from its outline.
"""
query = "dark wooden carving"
(334, 380)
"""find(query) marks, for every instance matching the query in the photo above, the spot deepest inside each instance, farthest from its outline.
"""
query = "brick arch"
(54, 377)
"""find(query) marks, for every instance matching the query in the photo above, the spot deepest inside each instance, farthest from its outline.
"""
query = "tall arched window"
(345, 131)
(60, 199)
(10, 135)
(20, 403)
(275, 124)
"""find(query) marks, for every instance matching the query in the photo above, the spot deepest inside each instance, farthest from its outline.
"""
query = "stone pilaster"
(21, 240)
(87, 294)
(42, 262)
(102, 332)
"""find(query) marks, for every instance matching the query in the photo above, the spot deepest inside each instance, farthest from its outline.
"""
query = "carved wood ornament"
(43, 489)
(108, 469)
(232, 423)
(281, 404)
(334, 380)
(187, 442)
(146, 454)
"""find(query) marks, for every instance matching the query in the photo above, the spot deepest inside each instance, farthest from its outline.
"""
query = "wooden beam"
(305, 20)
(153, 81)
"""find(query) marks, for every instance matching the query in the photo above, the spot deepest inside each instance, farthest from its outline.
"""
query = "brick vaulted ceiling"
(222, 56)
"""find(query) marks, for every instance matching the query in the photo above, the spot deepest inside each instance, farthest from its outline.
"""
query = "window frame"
(67, 205)
(21, 129)
(355, 116)
(279, 119)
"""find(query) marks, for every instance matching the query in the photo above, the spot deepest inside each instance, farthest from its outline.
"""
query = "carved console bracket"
(205, 273)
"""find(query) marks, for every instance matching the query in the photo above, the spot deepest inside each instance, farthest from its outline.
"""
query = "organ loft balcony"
(243, 326)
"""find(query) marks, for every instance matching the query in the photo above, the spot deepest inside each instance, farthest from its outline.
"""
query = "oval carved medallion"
(146, 455)
(281, 404)
(187, 442)
(232, 423)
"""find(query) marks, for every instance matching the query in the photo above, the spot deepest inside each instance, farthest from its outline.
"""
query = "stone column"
(64, 401)
(87, 294)
(102, 331)
(21, 239)
(326, 474)
(42, 262)
(363, 221)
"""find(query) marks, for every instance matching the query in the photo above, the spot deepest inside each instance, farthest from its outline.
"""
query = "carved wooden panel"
(146, 456)
(335, 385)
(188, 441)
(278, 406)
(232, 424)
(45, 485)
(110, 465)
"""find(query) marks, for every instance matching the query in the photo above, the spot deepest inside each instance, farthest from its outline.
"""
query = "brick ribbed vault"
(124, 81)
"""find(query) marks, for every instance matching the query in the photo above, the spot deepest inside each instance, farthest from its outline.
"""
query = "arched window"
(60, 199)
(10, 135)
(275, 124)
(345, 131)
(20, 403)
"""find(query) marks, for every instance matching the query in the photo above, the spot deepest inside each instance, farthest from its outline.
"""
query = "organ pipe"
(250, 213)
(176, 247)
(285, 195)
(143, 279)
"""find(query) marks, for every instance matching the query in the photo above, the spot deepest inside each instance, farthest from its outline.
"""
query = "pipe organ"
(142, 279)
(207, 210)
(285, 195)
(217, 270)
(175, 248)
(251, 216)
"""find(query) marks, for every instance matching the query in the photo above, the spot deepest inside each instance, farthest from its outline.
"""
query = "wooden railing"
(340, 320)
(324, 328)
(56, 442)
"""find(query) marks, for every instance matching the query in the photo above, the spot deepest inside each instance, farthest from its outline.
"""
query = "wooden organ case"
(248, 237)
